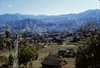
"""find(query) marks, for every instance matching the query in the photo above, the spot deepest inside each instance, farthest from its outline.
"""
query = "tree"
(88, 55)
(9, 44)
(7, 32)
(27, 53)
(8, 40)
(1, 42)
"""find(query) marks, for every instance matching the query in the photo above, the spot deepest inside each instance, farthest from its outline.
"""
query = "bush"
(4, 66)
(11, 59)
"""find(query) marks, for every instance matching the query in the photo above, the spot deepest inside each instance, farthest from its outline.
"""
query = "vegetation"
(9, 44)
(8, 39)
(1, 42)
(11, 59)
(88, 54)
(26, 54)
(8, 33)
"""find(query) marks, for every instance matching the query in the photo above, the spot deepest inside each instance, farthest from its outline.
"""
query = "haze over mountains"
(43, 23)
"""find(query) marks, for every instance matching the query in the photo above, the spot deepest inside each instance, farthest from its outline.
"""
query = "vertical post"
(15, 63)
(30, 63)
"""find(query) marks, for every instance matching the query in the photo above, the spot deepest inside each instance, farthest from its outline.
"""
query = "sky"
(47, 7)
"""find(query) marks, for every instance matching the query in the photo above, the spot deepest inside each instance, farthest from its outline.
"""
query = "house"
(66, 53)
(54, 63)
(61, 52)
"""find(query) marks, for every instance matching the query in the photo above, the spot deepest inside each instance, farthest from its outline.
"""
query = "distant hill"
(43, 23)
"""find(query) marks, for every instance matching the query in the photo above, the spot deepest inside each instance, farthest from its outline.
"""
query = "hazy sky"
(47, 7)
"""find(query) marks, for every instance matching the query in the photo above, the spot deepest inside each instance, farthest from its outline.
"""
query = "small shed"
(54, 63)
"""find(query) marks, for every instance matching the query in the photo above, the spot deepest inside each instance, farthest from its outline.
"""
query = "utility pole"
(15, 63)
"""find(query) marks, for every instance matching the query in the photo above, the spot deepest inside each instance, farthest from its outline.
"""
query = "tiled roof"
(54, 61)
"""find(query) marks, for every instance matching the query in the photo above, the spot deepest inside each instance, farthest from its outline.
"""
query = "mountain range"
(43, 23)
